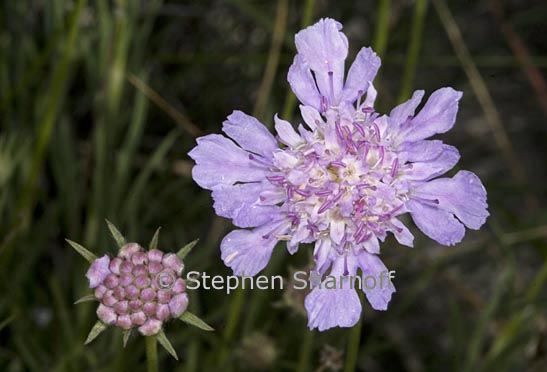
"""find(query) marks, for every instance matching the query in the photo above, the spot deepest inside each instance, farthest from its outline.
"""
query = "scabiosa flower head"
(343, 180)
(138, 289)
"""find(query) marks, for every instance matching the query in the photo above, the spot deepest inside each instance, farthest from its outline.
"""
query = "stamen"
(359, 230)
(363, 237)
(290, 191)
(346, 271)
(377, 130)
(394, 167)
(359, 96)
(338, 163)
(331, 85)
(325, 206)
(338, 130)
(367, 110)
(423, 200)
(324, 105)
(338, 196)
(302, 192)
(365, 151)
(323, 193)
(276, 179)
(347, 132)
(359, 128)
(312, 227)
(364, 186)
(381, 155)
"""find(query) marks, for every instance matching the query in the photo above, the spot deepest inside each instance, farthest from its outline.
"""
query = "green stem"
(231, 324)
(151, 354)
(53, 105)
(413, 53)
(382, 28)
(354, 341)
(305, 352)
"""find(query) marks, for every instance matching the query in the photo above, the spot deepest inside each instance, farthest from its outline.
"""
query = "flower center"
(342, 173)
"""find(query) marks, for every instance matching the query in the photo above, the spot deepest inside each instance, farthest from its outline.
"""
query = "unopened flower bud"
(106, 314)
(124, 321)
(172, 261)
(178, 304)
(151, 327)
(98, 271)
(128, 250)
(155, 255)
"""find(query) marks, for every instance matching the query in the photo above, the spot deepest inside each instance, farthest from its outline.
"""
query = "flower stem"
(354, 341)
(232, 323)
(382, 27)
(152, 354)
(305, 352)
(413, 51)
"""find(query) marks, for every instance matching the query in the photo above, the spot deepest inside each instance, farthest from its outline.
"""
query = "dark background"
(100, 101)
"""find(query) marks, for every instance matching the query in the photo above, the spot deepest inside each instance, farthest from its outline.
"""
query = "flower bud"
(139, 258)
(163, 312)
(98, 271)
(150, 308)
(115, 265)
(128, 250)
(150, 328)
(138, 318)
(172, 261)
(155, 255)
(111, 281)
(121, 307)
(106, 314)
(108, 298)
(124, 322)
(178, 304)
(164, 296)
(100, 291)
(148, 295)
(138, 289)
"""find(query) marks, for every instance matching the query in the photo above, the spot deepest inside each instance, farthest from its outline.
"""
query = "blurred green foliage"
(101, 100)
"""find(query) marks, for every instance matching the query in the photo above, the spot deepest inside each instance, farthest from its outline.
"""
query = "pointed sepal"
(164, 341)
(89, 297)
(97, 329)
(192, 319)
(82, 251)
(116, 234)
(186, 249)
(154, 242)
(126, 335)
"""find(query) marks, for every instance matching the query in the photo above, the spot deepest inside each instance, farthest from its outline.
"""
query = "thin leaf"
(186, 249)
(116, 234)
(155, 238)
(6, 322)
(126, 335)
(97, 329)
(89, 297)
(192, 319)
(164, 341)
(82, 251)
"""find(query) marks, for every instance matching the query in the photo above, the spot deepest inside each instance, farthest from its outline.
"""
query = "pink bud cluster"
(138, 288)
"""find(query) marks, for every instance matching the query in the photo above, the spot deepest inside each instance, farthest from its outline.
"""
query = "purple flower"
(340, 182)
